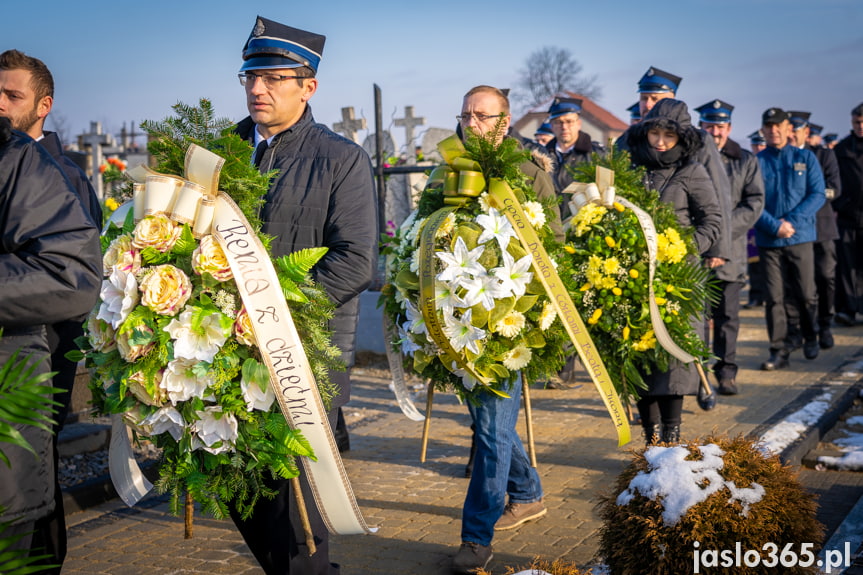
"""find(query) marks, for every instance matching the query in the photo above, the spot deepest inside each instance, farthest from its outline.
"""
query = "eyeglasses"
(270, 80)
(465, 118)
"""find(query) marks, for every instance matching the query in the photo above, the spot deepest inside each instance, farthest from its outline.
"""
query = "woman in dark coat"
(665, 144)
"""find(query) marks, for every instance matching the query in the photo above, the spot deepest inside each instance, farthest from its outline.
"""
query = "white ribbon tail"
(128, 480)
(403, 396)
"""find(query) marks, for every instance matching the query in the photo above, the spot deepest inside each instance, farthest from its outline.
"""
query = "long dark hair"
(668, 114)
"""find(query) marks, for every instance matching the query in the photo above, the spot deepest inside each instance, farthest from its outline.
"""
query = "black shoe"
(794, 342)
(753, 303)
(728, 387)
(777, 360)
(825, 339)
(810, 349)
(471, 557)
(844, 319)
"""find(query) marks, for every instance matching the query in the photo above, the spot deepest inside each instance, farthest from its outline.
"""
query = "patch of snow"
(851, 461)
(680, 483)
(784, 433)
(855, 420)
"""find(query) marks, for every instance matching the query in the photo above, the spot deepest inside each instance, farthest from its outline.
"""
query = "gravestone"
(409, 122)
(349, 126)
(430, 140)
(389, 146)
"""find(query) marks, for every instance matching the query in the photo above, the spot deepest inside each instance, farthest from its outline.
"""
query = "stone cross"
(408, 122)
(95, 140)
(349, 125)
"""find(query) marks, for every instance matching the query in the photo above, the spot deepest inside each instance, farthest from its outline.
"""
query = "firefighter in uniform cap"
(826, 235)
(570, 145)
(785, 232)
(756, 141)
(830, 140)
(814, 140)
(543, 134)
(747, 201)
(634, 113)
(322, 195)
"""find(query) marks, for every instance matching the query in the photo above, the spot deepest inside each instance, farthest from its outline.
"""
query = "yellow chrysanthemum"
(611, 266)
(645, 342)
(586, 217)
(669, 247)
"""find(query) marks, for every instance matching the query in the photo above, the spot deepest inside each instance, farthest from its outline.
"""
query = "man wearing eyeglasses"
(570, 145)
(502, 467)
(322, 195)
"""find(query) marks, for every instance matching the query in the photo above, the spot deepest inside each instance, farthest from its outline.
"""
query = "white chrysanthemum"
(535, 214)
(166, 419)
(203, 344)
(461, 333)
(182, 383)
(547, 316)
(415, 262)
(119, 296)
(409, 222)
(517, 358)
(257, 398)
(214, 427)
(415, 230)
(511, 325)
(483, 202)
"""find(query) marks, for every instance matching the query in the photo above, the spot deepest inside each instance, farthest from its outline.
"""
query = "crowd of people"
(801, 198)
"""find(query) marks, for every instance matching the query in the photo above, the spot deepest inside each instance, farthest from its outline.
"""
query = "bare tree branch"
(550, 71)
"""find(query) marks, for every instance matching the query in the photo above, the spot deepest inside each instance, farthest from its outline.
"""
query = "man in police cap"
(747, 201)
(756, 141)
(826, 235)
(785, 232)
(322, 195)
(570, 145)
(814, 140)
(634, 113)
(543, 134)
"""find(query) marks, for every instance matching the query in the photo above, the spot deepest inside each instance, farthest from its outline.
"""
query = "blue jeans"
(501, 466)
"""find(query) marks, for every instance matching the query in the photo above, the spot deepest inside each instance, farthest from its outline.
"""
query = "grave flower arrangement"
(170, 345)
(469, 310)
(611, 266)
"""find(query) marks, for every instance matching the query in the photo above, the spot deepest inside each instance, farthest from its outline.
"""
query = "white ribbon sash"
(279, 343)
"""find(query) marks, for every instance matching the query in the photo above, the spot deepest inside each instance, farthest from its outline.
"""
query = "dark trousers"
(791, 268)
(49, 532)
(849, 270)
(726, 325)
(275, 535)
(825, 286)
(757, 283)
(660, 409)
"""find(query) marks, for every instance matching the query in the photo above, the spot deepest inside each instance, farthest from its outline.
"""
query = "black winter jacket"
(747, 203)
(563, 163)
(324, 195)
(825, 218)
(50, 271)
(849, 206)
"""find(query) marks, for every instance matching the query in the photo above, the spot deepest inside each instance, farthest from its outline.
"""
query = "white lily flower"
(467, 380)
(515, 275)
(495, 225)
(408, 345)
(119, 296)
(446, 298)
(461, 333)
(181, 382)
(416, 322)
(201, 345)
(461, 262)
(483, 290)
(213, 427)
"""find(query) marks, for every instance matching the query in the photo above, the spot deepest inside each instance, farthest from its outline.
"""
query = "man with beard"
(26, 99)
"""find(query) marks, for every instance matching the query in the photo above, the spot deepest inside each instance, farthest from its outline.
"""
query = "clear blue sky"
(117, 62)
